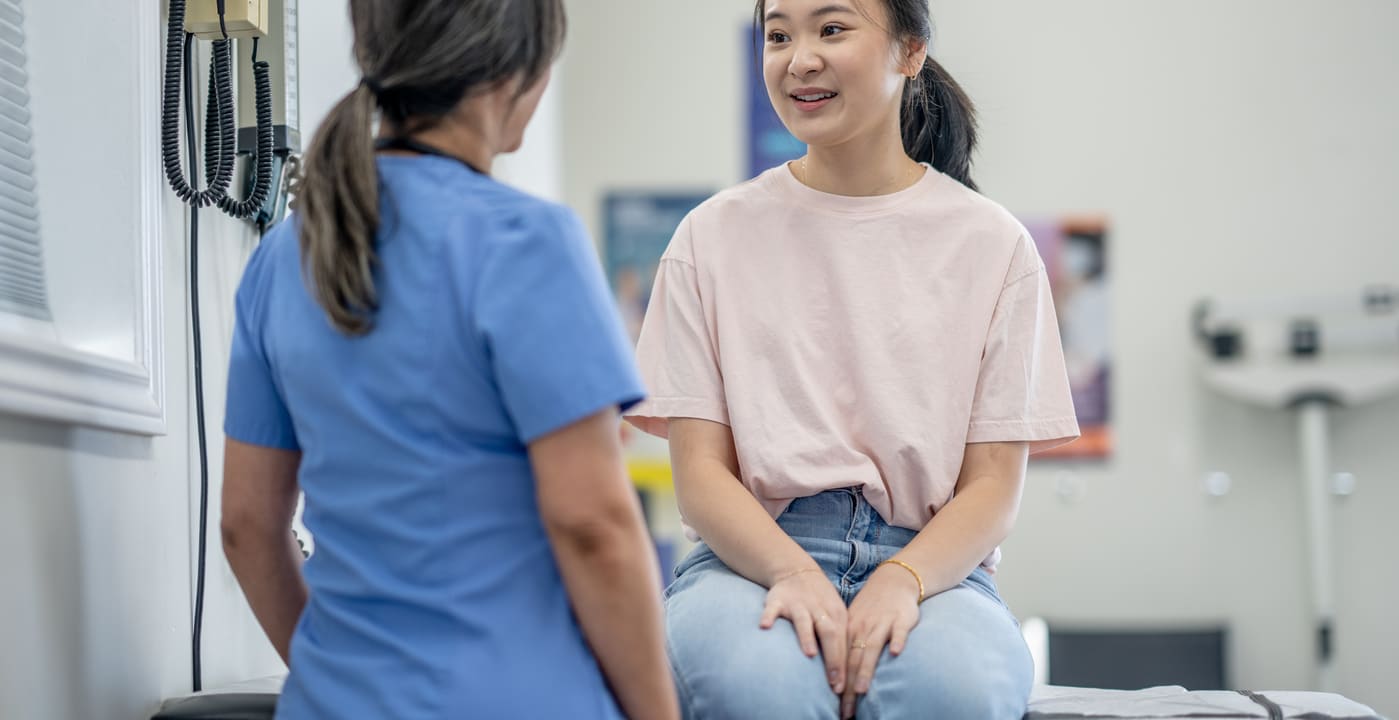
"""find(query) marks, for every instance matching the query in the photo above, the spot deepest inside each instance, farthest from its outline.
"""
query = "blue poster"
(769, 142)
(637, 227)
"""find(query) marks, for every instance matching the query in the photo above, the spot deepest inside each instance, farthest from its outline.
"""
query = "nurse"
(434, 360)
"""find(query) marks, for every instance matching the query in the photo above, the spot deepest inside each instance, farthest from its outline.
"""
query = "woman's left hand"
(884, 613)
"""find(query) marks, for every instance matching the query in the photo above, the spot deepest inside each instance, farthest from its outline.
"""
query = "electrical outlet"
(242, 18)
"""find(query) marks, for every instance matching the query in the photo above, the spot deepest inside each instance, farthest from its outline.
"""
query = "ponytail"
(939, 122)
(339, 211)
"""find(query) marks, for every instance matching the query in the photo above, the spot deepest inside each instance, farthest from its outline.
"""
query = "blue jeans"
(965, 659)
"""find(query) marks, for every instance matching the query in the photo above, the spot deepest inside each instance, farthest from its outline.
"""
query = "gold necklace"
(806, 177)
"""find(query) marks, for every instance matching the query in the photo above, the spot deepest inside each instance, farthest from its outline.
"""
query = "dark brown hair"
(419, 60)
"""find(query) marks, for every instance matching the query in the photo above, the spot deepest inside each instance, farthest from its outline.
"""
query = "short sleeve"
(556, 344)
(255, 411)
(1022, 390)
(676, 349)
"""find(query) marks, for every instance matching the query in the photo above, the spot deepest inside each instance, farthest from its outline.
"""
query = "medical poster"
(1074, 249)
(637, 227)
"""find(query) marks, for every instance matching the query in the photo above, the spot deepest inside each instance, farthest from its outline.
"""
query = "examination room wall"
(1236, 148)
(97, 528)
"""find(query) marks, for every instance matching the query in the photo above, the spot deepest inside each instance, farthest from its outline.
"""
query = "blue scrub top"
(433, 589)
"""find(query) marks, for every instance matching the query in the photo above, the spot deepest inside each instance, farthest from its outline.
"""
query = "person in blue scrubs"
(434, 359)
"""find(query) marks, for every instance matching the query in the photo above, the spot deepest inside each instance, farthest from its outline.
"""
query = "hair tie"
(372, 84)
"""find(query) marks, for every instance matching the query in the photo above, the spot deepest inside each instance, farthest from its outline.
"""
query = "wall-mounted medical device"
(1311, 355)
(260, 122)
(250, 139)
(1279, 351)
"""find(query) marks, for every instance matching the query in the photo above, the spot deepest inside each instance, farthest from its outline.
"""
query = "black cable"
(220, 128)
(198, 630)
(176, 56)
(220, 141)
(226, 139)
(221, 101)
(262, 177)
(212, 143)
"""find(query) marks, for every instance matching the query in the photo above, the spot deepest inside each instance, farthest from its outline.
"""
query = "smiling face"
(832, 70)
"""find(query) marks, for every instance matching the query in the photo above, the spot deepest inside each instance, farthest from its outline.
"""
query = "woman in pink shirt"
(852, 356)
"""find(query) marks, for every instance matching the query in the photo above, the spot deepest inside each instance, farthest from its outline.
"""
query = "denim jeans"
(965, 659)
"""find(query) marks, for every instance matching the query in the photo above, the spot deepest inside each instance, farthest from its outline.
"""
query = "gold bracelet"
(909, 568)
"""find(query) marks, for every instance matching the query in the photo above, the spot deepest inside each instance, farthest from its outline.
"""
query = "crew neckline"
(785, 182)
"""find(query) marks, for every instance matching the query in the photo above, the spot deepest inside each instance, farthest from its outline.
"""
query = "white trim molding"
(42, 377)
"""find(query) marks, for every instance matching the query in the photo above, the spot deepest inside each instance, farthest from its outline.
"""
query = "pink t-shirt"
(855, 341)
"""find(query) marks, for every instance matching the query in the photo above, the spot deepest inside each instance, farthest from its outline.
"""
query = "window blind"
(22, 289)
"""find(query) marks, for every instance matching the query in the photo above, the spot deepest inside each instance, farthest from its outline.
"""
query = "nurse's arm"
(259, 498)
(591, 514)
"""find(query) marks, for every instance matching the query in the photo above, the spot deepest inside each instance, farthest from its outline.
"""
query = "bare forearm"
(613, 583)
(962, 534)
(268, 567)
(736, 527)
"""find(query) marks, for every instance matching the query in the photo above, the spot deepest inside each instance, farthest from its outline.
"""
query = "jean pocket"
(981, 580)
(699, 554)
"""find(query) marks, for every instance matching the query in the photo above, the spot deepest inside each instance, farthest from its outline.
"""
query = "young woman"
(435, 360)
(852, 356)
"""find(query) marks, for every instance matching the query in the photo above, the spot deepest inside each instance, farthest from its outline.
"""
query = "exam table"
(257, 700)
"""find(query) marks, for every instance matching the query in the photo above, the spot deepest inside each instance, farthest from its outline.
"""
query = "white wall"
(537, 167)
(96, 527)
(328, 69)
(653, 98)
(1238, 147)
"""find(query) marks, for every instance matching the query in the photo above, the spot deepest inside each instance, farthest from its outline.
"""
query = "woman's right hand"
(811, 603)
(740, 531)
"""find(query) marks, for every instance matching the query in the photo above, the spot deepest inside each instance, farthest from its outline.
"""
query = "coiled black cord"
(220, 126)
(178, 45)
(220, 145)
(262, 173)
